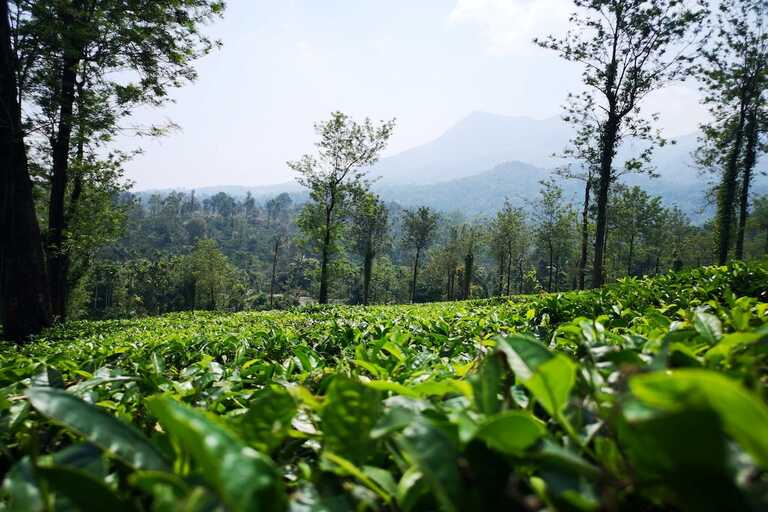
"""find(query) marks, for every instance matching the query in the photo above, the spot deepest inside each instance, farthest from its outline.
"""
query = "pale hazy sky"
(288, 63)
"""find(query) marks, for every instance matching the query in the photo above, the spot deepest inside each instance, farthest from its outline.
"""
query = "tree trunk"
(549, 273)
(502, 266)
(25, 306)
(584, 234)
(607, 152)
(325, 253)
(57, 222)
(750, 155)
(726, 194)
(469, 261)
(631, 254)
(509, 273)
(275, 252)
(415, 273)
(367, 272)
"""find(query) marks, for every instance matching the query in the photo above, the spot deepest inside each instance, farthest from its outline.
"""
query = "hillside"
(417, 407)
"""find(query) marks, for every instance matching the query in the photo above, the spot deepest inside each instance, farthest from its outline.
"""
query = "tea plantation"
(644, 395)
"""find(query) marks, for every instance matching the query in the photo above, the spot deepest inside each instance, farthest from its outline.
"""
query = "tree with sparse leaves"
(628, 49)
(346, 149)
(419, 228)
(734, 78)
(370, 224)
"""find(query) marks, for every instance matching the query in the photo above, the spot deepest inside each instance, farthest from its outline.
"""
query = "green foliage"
(646, 394)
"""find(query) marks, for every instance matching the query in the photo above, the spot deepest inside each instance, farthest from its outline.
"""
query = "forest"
(333, 349)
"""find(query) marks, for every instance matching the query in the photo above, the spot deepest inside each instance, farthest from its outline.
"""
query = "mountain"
(477, 143)
(487, 158)
(480, 194)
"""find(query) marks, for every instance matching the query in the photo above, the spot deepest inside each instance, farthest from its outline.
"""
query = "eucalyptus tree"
(554, 228)
(25, 306)
(419, 228)
(345, 150)
(470, 236)
(508, 243)
(582, 156)
(627, 48)
(370, 226)
(734, 78)
(278, 211)
(85, 66)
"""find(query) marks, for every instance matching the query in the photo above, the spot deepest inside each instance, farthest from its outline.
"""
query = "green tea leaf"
(118, 438)
(435, 456)
(244, 478)
(552, 383)
(350, 412)
(511, 432)
(744, 415)
(268, 419)
(84, 491)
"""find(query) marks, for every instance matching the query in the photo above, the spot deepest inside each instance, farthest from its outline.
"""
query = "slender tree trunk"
(520, 275)
(25, 306)
(415, 274)
(469, 261)
(726, 194)
(275, 252)
(584, 234)
(325, 253)
(509, 272)
(750, 155)
(549, 273)
(367, 272)
(631, 254)
(502, 266)
(608, 146)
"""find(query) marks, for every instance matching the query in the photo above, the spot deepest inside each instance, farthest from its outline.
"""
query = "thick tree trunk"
(57, 222)
(24, 295)
(584, 234)
(726, 194)
(607, 152)
(750, 155)
(415, 274)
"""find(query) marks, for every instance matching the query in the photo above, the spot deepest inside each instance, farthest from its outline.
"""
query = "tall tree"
(278, 209)
(369, 230)
(553, 229)
(628, 48)
(734, 77)
(92, 63)
(418, 233)
(582, 164)
(24, 293)
(345, 150)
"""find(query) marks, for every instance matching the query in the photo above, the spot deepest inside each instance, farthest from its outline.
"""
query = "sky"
(286, 64)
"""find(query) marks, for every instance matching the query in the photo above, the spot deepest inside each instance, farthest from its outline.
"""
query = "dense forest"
(178, 252)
